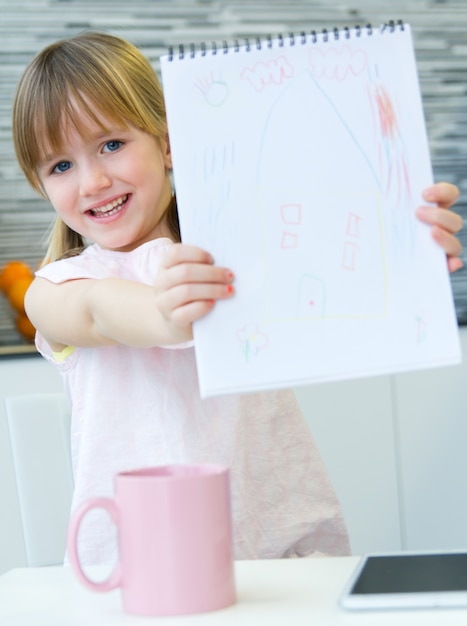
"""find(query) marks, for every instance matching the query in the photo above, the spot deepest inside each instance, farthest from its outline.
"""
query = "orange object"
(17, 291)
(12, 272)
(25, 327)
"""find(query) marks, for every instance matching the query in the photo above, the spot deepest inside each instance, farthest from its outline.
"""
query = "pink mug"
(174, 534)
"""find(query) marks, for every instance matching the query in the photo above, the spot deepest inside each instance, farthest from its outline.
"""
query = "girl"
(117, 295)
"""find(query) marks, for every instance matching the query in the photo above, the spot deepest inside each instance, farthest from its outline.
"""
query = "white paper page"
(300, 166)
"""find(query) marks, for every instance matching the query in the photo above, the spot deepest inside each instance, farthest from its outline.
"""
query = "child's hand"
(187, 286)
(445, 223)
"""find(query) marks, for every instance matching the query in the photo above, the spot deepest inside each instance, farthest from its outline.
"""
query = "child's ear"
(166, 152)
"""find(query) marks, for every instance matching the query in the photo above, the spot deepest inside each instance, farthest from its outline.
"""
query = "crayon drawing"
(263, 74)
(329, 242)
(252, 340)
(337, 62)
(213, 89)
(393, 166)
(299, 164)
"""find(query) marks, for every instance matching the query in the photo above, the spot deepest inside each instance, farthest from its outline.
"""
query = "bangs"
(73, 110)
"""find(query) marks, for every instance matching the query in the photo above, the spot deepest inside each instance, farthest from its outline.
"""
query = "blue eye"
(113, 145)
(61, 167)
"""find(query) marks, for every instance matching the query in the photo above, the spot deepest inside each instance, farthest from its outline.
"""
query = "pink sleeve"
(74, 268)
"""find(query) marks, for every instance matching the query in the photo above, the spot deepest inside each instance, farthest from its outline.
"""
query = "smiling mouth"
(109, 209)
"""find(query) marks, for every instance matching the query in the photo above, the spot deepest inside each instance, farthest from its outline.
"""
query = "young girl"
(117, 295)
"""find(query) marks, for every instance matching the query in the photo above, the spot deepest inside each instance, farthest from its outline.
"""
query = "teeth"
(111, 207)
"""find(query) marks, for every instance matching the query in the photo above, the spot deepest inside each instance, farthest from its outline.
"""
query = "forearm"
(93, 312)
(126, 312)
(99, 312)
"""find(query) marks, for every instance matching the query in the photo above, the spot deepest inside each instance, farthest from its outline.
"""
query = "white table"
(289, 592)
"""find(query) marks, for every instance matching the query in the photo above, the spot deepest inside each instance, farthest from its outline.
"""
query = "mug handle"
(114, 579)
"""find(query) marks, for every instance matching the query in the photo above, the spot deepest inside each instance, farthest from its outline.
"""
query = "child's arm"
(112, 310)
(445, 223)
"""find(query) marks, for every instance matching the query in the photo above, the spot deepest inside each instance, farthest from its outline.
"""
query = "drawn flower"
(253, 340)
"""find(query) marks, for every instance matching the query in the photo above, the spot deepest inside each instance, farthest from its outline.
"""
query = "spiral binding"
(302, 38)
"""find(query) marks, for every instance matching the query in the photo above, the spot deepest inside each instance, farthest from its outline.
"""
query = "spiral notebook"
(298, 162)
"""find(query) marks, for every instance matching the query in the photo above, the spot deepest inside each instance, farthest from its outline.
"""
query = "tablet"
(408, 580)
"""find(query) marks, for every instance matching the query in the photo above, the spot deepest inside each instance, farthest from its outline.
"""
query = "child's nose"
(93, 179)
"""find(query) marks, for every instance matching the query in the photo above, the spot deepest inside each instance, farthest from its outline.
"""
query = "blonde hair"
(98, 74)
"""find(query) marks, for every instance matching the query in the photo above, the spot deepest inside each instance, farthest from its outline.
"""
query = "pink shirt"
(141, 407)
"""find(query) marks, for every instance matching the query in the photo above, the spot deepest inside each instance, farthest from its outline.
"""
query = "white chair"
(39, 427)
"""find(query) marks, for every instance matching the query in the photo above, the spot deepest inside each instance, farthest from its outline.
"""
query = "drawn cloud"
(337, 63)
(272, 73)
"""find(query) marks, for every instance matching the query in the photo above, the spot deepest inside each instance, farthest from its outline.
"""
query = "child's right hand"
(187, 286)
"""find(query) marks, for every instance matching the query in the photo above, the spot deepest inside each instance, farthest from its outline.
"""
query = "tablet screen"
(412, 573)
(408, 580)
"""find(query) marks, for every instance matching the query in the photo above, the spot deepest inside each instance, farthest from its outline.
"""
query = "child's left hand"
(445, 223)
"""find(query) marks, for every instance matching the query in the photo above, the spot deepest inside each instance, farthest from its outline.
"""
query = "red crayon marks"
(262, 75)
